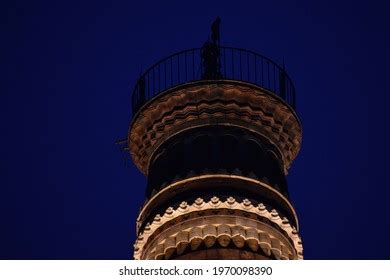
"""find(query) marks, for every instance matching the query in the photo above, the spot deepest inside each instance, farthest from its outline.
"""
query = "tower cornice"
(216, 102)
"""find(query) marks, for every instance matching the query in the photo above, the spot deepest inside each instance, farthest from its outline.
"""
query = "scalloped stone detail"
(238, 234)
(231, 101)
(210, 235)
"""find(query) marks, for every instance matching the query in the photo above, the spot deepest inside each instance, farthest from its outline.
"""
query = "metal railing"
(229, 64)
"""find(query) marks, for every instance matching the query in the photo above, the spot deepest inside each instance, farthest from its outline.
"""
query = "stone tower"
(215, 132)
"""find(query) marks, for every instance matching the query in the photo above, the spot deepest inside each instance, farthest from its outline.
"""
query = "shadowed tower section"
(214, 131)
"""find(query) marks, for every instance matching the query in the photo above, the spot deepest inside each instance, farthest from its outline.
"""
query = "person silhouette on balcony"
(211, 55)
(210, 61)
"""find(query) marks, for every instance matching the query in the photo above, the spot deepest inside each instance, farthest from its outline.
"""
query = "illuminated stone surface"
(216, 154)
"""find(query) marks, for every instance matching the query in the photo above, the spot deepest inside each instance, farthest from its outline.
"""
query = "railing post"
(282, 84)
(141, 90)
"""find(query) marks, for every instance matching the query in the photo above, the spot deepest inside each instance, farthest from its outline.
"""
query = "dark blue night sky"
(67, 71)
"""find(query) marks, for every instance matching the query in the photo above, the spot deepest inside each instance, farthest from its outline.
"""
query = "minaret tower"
(214, 130)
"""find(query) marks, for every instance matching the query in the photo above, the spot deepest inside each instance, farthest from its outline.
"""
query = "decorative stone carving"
(224, 234)
(223, 102)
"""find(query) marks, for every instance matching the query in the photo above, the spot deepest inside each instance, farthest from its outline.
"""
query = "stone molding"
(236, 181)
(222, 233)
(214, 103)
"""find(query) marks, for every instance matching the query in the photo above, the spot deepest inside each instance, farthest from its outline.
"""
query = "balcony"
(212, 62)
